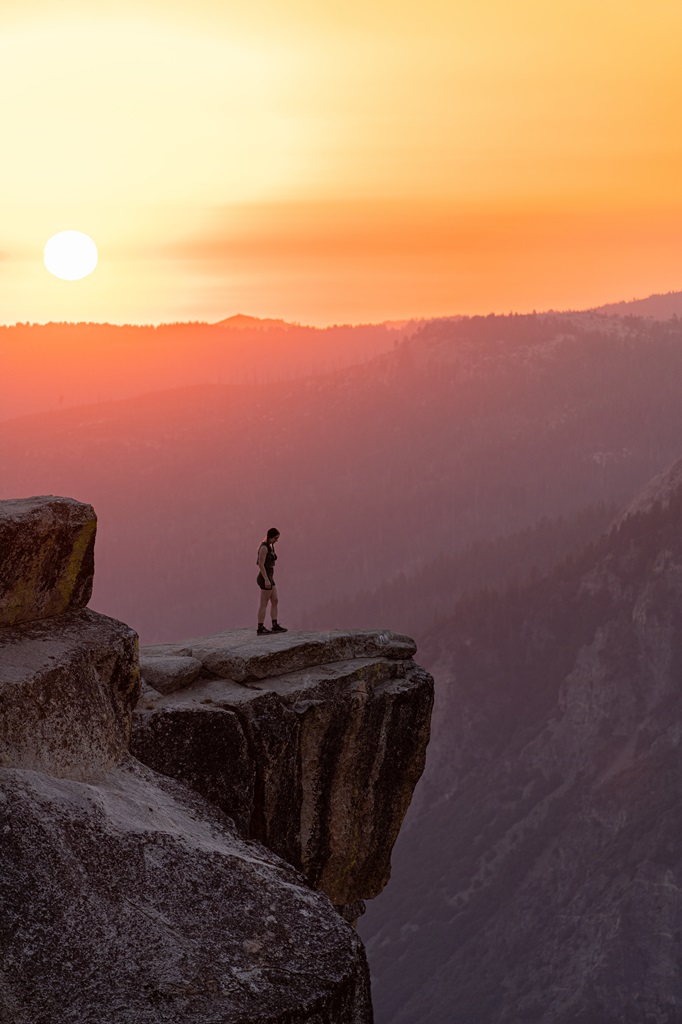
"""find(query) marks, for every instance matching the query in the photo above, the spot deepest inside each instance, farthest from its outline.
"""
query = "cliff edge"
(130, 897)
(312, 742)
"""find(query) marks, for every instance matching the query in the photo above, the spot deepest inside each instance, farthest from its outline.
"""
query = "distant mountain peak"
(241, 322)
(657, 307)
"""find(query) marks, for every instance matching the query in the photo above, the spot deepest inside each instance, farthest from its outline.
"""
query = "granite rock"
(133, 901)
(166, 674)
(317, 762)
(240, 655)
(67, 689)
(47, 557)
(127, 897)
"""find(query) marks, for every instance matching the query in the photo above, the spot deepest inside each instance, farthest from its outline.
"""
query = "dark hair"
(272, 533)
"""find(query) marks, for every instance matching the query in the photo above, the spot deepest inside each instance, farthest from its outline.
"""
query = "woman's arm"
(262, 553)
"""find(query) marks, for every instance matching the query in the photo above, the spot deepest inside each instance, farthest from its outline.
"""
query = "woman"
(266, 582)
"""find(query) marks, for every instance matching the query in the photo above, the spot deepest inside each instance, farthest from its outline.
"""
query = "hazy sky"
(339, 162)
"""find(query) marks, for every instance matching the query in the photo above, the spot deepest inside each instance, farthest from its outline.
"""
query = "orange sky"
(339, 162)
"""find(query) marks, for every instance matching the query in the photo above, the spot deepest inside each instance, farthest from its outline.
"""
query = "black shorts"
(260, 580)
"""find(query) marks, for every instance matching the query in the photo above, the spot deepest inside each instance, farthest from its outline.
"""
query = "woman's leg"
(264, 598)
(276, 628)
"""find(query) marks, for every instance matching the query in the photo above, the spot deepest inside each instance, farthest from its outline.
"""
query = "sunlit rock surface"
(46, 557)
(317, 757)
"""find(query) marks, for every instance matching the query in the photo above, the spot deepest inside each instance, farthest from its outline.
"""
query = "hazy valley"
(465, 432)
(539, 877)
(433, 485)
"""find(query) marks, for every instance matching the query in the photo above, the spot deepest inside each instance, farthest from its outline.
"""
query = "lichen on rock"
(47, 557)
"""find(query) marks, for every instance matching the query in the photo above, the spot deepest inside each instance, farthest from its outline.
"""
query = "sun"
(70, 255)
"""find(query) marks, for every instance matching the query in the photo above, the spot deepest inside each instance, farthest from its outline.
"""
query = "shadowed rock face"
(46, 557)
(317, 758)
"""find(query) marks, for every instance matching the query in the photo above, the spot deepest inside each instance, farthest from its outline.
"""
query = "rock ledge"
(311, 742)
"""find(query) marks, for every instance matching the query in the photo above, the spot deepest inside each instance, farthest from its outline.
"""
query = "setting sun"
(469, 158)
(70, 255)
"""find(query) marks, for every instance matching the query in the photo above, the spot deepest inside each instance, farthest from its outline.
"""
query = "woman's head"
(273, 534)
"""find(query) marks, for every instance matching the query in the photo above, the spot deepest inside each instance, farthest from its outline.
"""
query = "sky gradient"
(339, 163)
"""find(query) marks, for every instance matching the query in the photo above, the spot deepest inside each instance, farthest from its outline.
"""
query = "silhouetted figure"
(266, 581)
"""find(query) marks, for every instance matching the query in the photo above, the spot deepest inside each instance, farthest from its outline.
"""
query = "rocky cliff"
(127, 896)
(311, 742)
(547, 837)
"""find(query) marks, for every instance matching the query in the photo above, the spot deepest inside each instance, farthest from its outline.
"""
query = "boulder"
(46, 557)
(67, 690)
(318, 763)
(133, 901)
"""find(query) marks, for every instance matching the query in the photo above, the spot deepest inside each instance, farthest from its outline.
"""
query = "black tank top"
(270, 558)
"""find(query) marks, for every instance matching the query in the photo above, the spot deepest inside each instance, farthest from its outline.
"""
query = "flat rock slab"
(167, 673)
(67, 690)
(133, 901)
(241, 655)
(46, 557)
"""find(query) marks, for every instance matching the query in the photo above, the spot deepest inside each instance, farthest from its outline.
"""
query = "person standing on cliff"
(266, 581)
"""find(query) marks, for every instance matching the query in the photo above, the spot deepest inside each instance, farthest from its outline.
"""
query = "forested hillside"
(416, 602)
(468, 431)
(658, 307)
(61, 365)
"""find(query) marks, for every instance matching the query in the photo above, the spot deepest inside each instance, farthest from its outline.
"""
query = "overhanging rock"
(311, 741)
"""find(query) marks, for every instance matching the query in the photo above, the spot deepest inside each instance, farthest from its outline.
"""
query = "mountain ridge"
(490, 423)
(661, 306)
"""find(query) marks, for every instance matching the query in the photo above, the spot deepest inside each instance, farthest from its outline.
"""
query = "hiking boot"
(261, 631)
(276, 628)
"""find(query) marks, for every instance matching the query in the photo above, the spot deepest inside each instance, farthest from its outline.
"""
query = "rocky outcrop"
(67, 687)
(128, 897)
(661, 490)
(47, 557)
(317, 757)
(131, 901)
